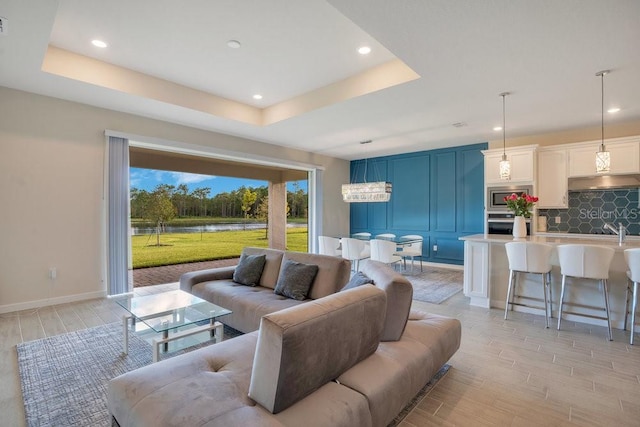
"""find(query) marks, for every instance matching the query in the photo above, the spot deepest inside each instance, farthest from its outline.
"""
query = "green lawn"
(179, 248)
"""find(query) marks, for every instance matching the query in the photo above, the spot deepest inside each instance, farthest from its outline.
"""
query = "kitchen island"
(486, 275)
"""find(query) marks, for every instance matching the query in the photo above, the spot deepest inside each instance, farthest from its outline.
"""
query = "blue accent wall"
(437, 194)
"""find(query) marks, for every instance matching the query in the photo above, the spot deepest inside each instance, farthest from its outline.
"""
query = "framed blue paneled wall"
(437, 194)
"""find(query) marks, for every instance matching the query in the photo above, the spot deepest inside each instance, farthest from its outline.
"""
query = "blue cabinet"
(437, 194)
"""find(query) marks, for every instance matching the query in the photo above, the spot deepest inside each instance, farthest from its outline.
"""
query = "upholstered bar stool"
(528, 257)
(587, 262)
(632, 257)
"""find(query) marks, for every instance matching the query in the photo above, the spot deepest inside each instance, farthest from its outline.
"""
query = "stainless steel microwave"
(496, 195)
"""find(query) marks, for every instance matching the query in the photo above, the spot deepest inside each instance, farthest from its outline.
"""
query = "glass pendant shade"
(367, 192)
(603, 160)
(505, 168)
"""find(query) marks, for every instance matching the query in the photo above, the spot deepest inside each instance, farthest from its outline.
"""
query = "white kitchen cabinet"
(552, 179)
(625, 158)
(522, 166)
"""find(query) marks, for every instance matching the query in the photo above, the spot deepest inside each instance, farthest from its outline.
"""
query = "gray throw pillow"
(358, 279)
(249, 269)
(295, 279)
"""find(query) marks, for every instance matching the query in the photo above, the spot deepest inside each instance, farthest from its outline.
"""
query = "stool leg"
(626, 304)
(509, 290)
(546, 309)
(605, 290)
(633, 313)
(550, 295)
(564, 278)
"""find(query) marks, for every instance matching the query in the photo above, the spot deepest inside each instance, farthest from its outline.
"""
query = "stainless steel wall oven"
(499, 217)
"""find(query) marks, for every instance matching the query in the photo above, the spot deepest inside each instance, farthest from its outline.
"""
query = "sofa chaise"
(351, 358)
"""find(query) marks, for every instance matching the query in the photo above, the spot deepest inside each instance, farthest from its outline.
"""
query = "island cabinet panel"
(443, 192)
(410, 195)
(476, 273)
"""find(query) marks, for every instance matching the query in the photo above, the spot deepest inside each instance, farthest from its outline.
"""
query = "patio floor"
(171, 273)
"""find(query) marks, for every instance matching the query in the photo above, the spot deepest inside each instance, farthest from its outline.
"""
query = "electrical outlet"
(53, 273)
(435, 248)
(4, 26)
(557, 220)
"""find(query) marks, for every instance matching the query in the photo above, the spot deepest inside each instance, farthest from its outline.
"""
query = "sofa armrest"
(187, 280)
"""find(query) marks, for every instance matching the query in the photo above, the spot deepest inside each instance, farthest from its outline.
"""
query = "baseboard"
(8, 308)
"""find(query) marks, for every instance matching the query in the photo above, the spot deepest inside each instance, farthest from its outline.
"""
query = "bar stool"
(587, 262)
(632, 257)
(528, 257)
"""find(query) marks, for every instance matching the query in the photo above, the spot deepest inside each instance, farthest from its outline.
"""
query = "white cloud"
(189, 178)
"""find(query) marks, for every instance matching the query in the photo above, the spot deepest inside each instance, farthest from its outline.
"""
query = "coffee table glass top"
(170, 310)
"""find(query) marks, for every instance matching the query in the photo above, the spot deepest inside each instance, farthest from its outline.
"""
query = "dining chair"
(632, 257)
(529, 257)
(361, 235)
(387, 236)
(411, 250)
(354, 250)
(586, 262)
(329, 245)
(384, 251)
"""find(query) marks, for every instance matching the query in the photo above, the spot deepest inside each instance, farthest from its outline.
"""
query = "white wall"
(51, 192)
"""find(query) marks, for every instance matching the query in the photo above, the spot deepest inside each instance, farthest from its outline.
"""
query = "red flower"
(522, 204)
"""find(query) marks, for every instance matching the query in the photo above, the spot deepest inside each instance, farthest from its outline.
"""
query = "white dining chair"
(329, 245)
(354, 250)
(587, 262)
(387, 236)
(411, 250)
(362, 235)
(384, 251)
(632, 257)
(529, 257)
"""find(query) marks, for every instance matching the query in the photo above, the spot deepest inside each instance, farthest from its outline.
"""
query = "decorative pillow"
(295, 279)
(358, 279)
(249, 269)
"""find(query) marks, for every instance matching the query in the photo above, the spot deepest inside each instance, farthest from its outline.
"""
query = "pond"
(208, 228)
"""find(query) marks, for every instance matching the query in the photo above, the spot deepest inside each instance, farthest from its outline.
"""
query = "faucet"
(621, 231)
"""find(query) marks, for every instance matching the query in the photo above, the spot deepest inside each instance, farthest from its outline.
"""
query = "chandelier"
(603, 157)
(379, 191)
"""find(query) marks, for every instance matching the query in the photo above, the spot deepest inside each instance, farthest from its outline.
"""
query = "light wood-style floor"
(511, 373)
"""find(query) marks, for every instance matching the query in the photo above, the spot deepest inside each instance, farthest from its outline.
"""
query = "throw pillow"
(295, 279)
(249, 269)
(358, 279)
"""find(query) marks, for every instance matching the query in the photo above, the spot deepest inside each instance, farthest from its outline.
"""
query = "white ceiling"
(466, 52)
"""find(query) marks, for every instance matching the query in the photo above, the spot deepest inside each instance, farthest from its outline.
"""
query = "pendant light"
(505, 166)
(379, 191)
(603, 157)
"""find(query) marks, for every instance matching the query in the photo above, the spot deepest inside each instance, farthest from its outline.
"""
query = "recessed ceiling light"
(364, 50)
(613, 110)
(257, 96)
(98, 43)
(234, 44)
(497, 128)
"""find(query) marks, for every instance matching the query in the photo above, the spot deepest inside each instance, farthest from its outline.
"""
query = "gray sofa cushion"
(295, 279)
(249, 269)
(297, 350)
(271, 266)
(358, 279)
(399, 297)
(333, 272)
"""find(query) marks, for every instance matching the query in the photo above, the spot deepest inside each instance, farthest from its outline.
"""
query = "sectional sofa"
(351, 358)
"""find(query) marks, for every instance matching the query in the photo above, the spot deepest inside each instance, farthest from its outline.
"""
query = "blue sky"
(149, 179)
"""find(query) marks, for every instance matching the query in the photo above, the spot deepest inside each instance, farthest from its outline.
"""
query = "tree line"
(244, 202)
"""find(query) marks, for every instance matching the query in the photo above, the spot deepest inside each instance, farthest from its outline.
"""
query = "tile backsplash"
(590, 209)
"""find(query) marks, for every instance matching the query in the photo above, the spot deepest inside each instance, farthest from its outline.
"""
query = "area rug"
(64, 378)
(435, 285)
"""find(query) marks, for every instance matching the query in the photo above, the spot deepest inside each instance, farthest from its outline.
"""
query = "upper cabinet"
(522, 165)
(552, 179)
(625, 158)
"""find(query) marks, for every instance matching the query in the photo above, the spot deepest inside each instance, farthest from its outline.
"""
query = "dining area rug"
(435, 285)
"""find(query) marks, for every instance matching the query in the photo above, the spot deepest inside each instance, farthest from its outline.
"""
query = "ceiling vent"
(459, 124)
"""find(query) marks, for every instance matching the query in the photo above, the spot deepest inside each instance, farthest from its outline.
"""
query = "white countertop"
(560, 239)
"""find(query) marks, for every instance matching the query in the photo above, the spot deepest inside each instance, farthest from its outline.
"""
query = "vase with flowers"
(521, 206)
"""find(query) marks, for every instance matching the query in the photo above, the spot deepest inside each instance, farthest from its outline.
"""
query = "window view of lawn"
(172, 223)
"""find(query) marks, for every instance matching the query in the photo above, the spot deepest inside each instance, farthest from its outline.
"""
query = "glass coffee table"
(169, 311)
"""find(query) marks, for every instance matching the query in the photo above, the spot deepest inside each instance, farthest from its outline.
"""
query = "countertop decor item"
(520, 205)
